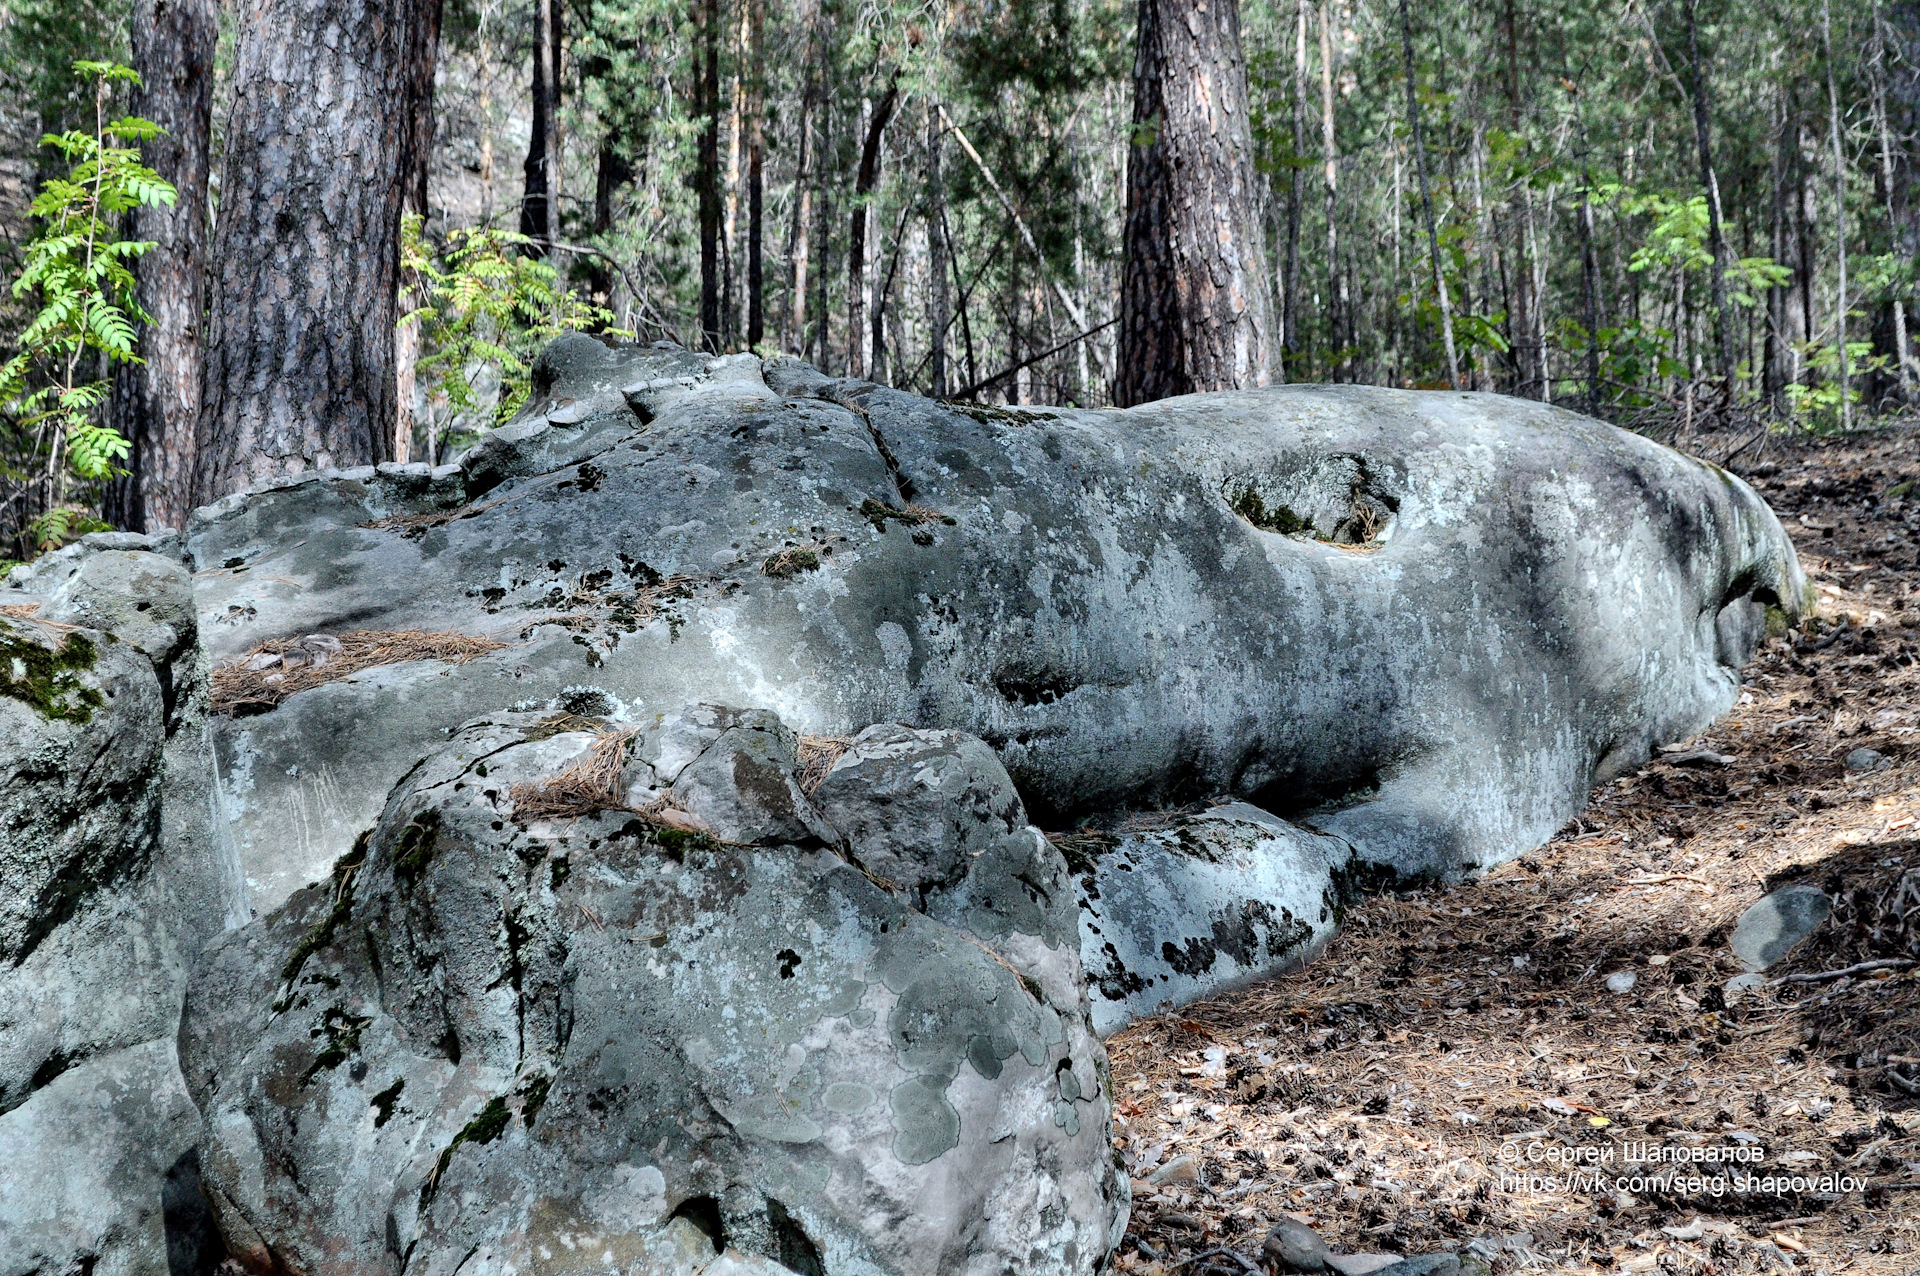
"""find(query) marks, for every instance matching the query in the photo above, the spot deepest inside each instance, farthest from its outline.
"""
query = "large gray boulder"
(1422, 623)
(494, 1041)
(114, 873)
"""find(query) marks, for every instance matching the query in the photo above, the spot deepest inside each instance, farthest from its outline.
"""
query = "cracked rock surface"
(1421, 623)
(113, 874)
(494, 1043)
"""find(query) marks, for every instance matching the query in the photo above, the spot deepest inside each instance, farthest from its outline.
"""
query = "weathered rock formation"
(1416, 626)
(548, 970)
(497, 1042)
(113, 875)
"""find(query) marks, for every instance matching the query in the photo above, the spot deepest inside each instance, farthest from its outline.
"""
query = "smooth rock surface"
(1292, 1246)
(1775, 925)
(918, 806)
(1494, 603)
(84, 1167)
(492, 1047)
(1866, 761)
(1209, 903)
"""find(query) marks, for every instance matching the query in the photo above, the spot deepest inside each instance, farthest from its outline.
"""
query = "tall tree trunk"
(1774, 379)
(1196, 308)
(537, 203)
(156, 405)
(1716, 222)
(1336, 279)
(1290, 300)
(406, 341)
(799, 249)
(1589, 288)
(1526, 357)
(1888, 181)
(306, 257)
(939, 301)
(1426, 201)
(756, 144)
(707, 171)
(863, 184)
(1839, 222)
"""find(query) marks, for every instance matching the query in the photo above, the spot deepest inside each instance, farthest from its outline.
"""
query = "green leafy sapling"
(488, 304)
(77, 269)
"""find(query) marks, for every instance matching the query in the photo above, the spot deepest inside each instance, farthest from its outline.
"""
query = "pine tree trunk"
(1196, 309)
(1716, 233)
(863, 185)
(1290, 301)
(300, 370)
(756, 145)
(939, 302)
(1526, 363)
(1329, 142)
(156, 405)
(799, 247)
(1426, 200)
(536, 203)
(707, 173)
(1773, 378)
(406, 341)
(1840, 300)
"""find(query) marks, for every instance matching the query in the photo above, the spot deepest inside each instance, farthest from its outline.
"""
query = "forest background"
(1678, 214)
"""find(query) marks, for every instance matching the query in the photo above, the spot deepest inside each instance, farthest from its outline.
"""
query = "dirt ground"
(1428, 1082)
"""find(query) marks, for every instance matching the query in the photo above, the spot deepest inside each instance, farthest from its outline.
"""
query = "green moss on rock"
(48, 679)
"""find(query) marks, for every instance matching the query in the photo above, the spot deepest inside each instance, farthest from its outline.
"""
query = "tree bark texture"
(156, 405)
(864, 181)
(1196, 311)
(707, 171)
(300, 352)
(756, 148)
(1716, 234)
(537, 197)
(939, 304)
(406, 341)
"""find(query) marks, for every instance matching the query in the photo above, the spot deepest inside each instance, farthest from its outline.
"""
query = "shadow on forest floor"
(1372, 1094)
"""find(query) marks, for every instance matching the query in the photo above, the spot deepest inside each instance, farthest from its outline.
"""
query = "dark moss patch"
(1249, 505)
(487, 1125)
(791, 562)
(384, 1101)
(47, 679)
(880, 515)
(533, 1097)
(342, 1032)
(323, 932)
(414, 851)
(675, 843)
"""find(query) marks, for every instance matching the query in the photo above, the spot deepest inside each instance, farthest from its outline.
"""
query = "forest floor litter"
(1468, 1069)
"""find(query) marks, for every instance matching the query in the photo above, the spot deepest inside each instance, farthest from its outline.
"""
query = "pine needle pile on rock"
(273, 671)
(818, 753)
(589, 785)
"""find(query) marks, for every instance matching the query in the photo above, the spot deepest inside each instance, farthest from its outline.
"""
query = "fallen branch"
(1234, 1254)
(1060, 289)
(1863, 968)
